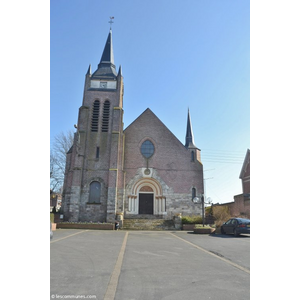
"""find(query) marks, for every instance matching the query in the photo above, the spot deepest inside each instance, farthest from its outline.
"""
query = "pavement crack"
(216, 253)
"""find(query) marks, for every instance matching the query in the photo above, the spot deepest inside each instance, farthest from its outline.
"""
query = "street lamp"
(198, 200)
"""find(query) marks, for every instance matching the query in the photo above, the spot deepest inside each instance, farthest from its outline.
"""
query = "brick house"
(142, 171)
(242, 201)
(241, 205)
(245, 175)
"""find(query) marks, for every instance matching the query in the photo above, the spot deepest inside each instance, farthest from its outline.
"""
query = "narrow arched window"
(105, 116)
(95, 192)
(95, 116)
(193, 193)
(192, 156)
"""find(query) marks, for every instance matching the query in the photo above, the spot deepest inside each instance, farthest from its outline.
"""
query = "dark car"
(236, 226)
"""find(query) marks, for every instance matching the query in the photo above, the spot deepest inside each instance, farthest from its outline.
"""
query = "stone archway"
(146, 198)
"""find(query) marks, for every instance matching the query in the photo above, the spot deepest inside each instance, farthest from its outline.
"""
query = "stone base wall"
(86, 226)
(92, 213)
(182, 203)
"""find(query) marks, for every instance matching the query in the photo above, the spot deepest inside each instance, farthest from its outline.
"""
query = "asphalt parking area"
(144, 265)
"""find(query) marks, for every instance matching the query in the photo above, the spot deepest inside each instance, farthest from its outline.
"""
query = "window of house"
(147, 149)
(105, 116)
(95, 192)
(95, 116)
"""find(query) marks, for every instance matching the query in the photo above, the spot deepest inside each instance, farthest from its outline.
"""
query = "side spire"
(89, 71)
(189, 137)
(120, 71)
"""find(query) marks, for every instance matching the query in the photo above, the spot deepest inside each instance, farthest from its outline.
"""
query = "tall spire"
(189, 137)
(108, 54)
(106, 67)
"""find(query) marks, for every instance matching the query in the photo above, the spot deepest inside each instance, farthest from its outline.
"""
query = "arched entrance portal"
(146, 198)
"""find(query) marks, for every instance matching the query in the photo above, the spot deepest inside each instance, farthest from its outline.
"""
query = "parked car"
(236, 226)
(51, 232)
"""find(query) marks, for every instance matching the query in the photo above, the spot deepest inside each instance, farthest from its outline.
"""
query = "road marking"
(213, 254)
(68, 236)
(113, 283)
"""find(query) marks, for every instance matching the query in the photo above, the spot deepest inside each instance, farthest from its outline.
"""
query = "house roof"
(246, 162)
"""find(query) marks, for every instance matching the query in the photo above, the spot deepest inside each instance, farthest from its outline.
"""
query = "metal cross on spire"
(111, 21)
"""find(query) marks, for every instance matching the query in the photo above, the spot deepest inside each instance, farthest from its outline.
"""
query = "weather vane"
(111, 21)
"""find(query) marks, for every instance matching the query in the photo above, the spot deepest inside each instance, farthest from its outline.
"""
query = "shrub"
(191, 219)
(52, 217)
(221, 214)
(208, 211)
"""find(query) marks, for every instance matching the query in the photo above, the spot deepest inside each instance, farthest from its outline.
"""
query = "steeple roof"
(189, 137)
(106, 67)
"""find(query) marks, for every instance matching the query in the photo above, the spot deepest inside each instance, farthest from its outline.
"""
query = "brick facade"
(171, 165)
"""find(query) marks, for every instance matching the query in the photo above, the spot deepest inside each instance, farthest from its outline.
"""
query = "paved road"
(148, 265)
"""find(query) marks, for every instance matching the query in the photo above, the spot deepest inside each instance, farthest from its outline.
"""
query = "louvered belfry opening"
(105, 117)
(95, 116)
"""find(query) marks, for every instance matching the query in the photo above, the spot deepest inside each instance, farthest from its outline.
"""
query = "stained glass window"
(147, 149)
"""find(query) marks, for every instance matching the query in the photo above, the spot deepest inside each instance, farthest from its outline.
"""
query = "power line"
(222, 156)
(225, 162)
(225, 151)
(222, 159)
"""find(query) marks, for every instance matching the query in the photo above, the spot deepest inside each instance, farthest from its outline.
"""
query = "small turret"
(189, 141)
(189, 137)
(89, 71)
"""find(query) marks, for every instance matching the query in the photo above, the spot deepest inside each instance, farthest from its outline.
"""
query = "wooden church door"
(146, 204)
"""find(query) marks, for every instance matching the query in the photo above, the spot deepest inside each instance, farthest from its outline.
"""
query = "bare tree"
(62, 144)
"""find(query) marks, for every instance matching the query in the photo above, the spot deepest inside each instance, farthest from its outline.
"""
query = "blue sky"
(175, 55)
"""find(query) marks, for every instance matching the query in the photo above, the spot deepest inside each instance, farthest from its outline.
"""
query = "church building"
(142, 171)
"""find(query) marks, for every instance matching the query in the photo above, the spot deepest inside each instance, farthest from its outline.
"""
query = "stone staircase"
(148, 224)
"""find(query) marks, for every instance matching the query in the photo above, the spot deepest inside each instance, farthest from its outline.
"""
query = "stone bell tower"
(94, 176)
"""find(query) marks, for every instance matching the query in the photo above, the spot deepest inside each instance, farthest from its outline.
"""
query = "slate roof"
(189, 137)
(106, 67)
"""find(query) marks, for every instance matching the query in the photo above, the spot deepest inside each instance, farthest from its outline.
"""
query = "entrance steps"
(148, 224)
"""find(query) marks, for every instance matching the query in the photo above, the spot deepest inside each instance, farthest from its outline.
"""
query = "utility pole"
(205, 186)
(202, 198)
